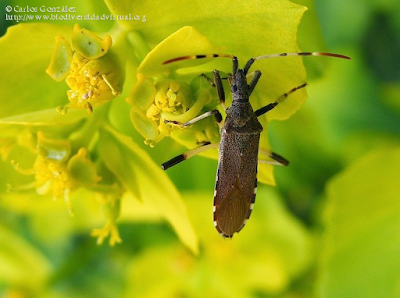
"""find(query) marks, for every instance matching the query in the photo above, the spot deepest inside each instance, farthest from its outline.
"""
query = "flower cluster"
(159, 104)
(89, 68)
(57, 171)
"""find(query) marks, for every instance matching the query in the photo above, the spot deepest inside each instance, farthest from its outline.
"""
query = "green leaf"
(147, 182)
(119, 160)
(42, 120)
(362, 239)
(48, 117)
(191, 42)
(25, 55)
(21, 265)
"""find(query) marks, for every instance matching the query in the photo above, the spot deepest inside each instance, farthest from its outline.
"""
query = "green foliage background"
(330, 228)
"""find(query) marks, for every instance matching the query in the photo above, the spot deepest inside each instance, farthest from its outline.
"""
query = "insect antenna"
(191, 57)
(251, 60)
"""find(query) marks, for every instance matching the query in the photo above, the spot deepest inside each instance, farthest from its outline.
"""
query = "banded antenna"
(251, 60)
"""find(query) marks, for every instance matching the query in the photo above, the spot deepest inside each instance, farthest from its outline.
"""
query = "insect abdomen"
(236, 182)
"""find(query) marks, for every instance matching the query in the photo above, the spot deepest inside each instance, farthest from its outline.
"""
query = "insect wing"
(236, 182)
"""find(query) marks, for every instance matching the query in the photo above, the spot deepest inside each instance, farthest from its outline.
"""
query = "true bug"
(236, 181)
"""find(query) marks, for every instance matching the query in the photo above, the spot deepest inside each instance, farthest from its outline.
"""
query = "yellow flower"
(57, 173)
(157, 103)
(111, 204)
(92, 72)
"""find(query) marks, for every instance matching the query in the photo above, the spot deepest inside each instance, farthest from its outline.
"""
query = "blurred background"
(330, 227)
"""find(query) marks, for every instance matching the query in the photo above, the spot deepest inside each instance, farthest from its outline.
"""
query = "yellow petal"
(60, 60)
(142, 93)
(58, 150)
(146, 127)
(82, 169)
(88, 44)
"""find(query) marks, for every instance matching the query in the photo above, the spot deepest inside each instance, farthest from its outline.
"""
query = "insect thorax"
(240, 118)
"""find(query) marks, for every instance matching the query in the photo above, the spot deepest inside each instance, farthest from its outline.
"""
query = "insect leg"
(188, 154)
(278, 160)
(235, 65)
(211, 82)
(216, 113)
(217, 83)
(254, 81)
(281, 98)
